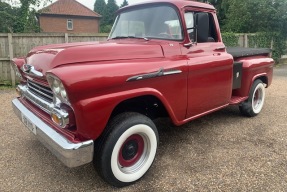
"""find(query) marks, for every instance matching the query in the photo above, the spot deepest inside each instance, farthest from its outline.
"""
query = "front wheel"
(254, 104)
(127, 149)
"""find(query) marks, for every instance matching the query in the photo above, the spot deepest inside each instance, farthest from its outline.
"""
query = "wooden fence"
(17, 45)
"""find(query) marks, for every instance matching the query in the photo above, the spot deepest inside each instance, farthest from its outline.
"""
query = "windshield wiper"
(134, 37)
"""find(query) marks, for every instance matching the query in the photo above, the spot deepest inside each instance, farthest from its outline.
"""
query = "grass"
(5, 87)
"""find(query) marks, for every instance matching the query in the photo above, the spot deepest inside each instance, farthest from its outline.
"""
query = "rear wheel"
(254, 104)
(127, 149)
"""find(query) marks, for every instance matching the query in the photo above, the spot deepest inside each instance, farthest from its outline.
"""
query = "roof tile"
(68, 7)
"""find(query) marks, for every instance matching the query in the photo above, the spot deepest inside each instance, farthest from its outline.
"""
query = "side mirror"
(202, 27)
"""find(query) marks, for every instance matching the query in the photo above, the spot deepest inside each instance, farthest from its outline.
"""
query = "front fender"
(93, 114)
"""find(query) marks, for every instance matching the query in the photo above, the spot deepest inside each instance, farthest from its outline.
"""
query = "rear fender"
(257, 67)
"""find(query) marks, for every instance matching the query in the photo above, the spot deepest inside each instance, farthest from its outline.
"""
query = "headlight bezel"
(16, 70)
(58, 88)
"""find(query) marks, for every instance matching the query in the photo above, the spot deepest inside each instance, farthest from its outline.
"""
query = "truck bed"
(237, 52)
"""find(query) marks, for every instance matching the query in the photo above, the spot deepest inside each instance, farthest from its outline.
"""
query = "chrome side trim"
(159, 73)
(71, 154)
(172, 72)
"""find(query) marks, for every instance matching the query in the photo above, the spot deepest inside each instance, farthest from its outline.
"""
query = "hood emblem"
(29, 69)
(26, 68)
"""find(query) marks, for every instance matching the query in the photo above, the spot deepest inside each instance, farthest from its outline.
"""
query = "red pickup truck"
(97, 101)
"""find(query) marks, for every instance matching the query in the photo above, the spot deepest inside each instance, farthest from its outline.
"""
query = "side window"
(70, 25)
(189, 22)
(191, 26)
(212, 29)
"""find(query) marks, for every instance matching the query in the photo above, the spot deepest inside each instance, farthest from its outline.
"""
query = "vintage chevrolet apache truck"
(97, 101)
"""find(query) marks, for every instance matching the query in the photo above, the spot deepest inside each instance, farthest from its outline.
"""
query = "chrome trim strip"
(71, 154)
(172, 72)
(159, 73)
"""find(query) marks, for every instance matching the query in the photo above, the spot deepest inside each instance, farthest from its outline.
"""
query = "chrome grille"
(40, 90)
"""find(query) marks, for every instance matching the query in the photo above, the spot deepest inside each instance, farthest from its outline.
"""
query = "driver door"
(210, 68)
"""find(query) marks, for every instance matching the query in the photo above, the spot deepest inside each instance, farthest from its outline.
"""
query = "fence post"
(271, 46)
(66, 38)
(246, 40)
(11, 56)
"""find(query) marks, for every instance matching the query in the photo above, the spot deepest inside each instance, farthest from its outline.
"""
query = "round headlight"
(56, 86)
(60, 93)
(63, 92)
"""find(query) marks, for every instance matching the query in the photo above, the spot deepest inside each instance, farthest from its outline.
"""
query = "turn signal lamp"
(56, 119)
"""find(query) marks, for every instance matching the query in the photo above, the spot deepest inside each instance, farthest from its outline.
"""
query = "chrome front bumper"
(71, 154)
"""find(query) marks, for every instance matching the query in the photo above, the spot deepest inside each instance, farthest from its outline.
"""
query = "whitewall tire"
(254, 104)
(127, 149)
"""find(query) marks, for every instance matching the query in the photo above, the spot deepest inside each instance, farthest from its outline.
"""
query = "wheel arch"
(148, 105)
(262, 77)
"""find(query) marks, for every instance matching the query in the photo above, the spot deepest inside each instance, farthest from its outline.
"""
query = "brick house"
(68, 16)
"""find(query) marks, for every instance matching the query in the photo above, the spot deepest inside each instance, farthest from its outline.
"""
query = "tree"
(26, 17)
(7, 19)
(22, 19)
(108, 16)
(247, 16)
(100, 6)
(221, 8)
(111, 9)
(125, 3)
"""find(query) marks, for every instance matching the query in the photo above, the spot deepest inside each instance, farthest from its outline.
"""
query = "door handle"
(216, 54)
(220, 48)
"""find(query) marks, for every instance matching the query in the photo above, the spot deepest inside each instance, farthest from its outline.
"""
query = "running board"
(235, 100)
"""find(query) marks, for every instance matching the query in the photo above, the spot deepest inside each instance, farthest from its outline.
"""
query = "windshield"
(159, 22)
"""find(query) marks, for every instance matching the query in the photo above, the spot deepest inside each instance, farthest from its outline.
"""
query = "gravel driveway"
(220, 152)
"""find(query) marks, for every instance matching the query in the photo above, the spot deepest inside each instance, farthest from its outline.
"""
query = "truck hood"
(48, 57)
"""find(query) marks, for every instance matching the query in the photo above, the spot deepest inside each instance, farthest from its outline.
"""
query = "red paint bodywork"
(95, 75)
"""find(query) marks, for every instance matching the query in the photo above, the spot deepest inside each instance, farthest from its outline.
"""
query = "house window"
(70, 25)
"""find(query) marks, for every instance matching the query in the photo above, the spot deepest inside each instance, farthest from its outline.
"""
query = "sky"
(90, 3)
(87, 3)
